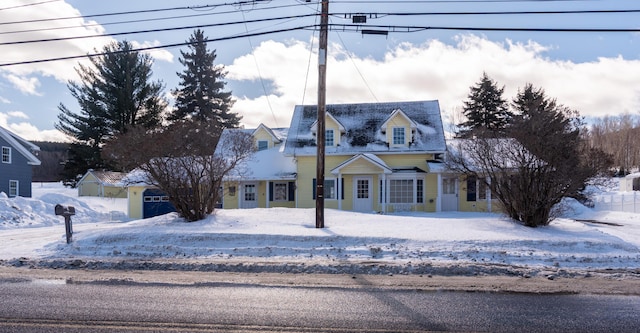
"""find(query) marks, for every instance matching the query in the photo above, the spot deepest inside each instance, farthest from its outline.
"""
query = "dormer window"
(6, 154)
(263, 145)
(328, 138)
(399, 136)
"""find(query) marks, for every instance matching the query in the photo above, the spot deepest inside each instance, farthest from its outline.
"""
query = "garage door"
(155, 203)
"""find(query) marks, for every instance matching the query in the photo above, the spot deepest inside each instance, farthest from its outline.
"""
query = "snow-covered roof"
(21, 145)
(107, 177)
(363, 124)
(632, 175)
(268, 164)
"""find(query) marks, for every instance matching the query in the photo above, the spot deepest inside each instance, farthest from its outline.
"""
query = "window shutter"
(471, 188)
(342, 188)
(314, 189)
(270, 191)
(292, 191)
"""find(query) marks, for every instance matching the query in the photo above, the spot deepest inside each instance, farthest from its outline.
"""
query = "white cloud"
(17, 114)
(32, 133)
(433, 70)
(29, 131)
(60, 70)
(27, 85)
(158, 54)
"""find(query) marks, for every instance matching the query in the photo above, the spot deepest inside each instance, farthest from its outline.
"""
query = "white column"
(439, 193)
(266, 204)
(386, 192)
(339, 190)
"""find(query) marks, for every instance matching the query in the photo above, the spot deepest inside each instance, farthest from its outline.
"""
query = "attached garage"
(155, 202)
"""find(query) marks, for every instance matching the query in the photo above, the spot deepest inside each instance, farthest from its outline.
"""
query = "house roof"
(268, 164)
(371, 158)
(277, 138)
(363, 128)
(21, 145)
(107, 177)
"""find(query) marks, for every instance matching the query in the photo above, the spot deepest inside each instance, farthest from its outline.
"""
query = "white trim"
(17, 143)
(17, 182)
(8, 154)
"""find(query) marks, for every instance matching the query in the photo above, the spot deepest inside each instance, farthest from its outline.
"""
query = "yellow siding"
(399, 121)
(263, 135)
(473, 206)
(262, 194)
(330, 124)
(361, 166)
(406, 160)
(114, 192)
(89, 186)
(431, 192)
(307, 172)
(230, 199)
(135, 202)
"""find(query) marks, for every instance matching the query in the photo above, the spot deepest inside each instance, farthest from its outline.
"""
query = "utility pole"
(322, 93)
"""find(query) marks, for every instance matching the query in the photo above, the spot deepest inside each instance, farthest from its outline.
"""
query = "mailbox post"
(67, 212)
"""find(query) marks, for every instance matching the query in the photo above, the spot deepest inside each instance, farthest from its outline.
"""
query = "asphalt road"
(41, 305)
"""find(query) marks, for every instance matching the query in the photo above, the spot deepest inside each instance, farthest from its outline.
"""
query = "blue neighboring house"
(17, 158)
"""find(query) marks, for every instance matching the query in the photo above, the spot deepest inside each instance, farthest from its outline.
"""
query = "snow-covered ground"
(280, 239)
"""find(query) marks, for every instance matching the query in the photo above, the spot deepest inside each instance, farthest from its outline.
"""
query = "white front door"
(249, 195)
(449, 194)
(362, 198)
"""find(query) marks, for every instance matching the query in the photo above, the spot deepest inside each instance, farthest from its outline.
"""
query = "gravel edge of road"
(598, 284)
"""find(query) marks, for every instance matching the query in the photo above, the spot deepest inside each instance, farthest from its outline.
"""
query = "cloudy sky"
(596, 73)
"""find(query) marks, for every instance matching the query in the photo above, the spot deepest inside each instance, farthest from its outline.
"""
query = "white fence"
(622, 201)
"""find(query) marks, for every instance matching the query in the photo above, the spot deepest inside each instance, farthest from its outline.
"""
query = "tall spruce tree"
(201, 96)
(114, 93)
(485, 109)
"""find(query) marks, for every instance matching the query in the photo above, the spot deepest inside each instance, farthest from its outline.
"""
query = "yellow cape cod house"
(379, 157)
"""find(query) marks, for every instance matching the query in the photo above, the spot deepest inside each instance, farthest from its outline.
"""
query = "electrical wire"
(155, 47)
(172, 17)
(414, 28)
(29, 4)
(255, 60)
(357, 69)
(526, 12)
(145, 11)
(156, 30)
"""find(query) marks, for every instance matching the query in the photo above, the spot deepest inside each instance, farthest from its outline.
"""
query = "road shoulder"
(600, 285)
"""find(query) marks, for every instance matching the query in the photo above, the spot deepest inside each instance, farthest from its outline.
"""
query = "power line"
(173, 17)
(155, 30)
(29, 4)
(528, 12)
(452, 1)
(145, 11)
(149, 48)
(334, 27)
(414, 28)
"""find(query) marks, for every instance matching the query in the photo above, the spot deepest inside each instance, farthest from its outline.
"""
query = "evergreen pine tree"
(485, 109)
(113, 94)
(201, 96)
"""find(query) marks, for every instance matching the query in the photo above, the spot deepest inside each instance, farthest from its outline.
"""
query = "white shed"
(630, 183)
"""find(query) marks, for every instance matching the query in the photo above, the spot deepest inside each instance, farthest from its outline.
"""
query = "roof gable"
(314, 126)
(21, 145)
(269, 132)
(398, 113)
(111, 178)
(370, 159)
(363, 123)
